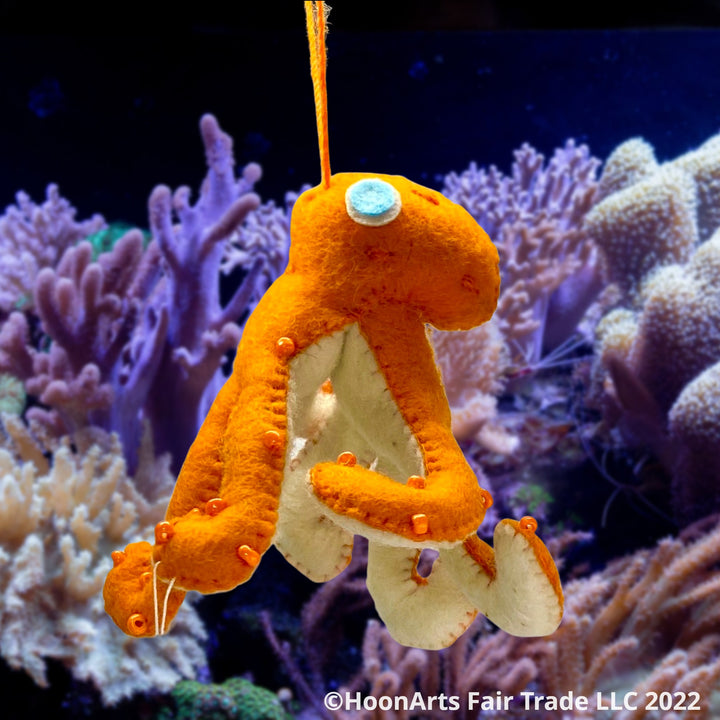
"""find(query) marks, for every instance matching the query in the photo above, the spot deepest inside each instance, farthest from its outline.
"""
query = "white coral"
(58, 526)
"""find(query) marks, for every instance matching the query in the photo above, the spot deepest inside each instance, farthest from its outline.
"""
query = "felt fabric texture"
(433, 259)
(430, 612)
(515, 584)
(129, 592)
(334, 403)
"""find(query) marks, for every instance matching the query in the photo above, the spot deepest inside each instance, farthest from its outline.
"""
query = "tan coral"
(58, 521)
(660, 237)
(679, 328)
(694, 423)
(654, 215)
(536, 260)
(473, 365)
(615, 334)
(632, 161)
(703, 165)
(645, 226)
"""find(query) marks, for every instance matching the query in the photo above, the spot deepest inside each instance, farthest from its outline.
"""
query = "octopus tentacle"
(439, 512)
(425, 612)
(515, 584)
(409, 427)
(206, 549)
(312, 543)
(131, 593)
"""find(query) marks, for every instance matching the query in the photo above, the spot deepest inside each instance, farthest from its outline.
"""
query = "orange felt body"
(431, 264)
(129, 590)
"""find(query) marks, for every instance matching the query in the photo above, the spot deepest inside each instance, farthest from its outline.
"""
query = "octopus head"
(379, 238)
(141, 603)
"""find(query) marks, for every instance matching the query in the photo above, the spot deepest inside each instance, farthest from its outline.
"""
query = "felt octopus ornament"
(334, 423)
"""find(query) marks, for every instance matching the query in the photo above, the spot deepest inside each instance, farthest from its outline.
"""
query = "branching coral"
(264, 234)
(322, 621)
(535, 218)
(33, 237)
(473, 365)
(549, 278)
(89, 310)
(107, 343)
(60, 515)
(200, 330)
(135, 334)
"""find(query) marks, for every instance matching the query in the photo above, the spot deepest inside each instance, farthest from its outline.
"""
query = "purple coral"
(200, 330)
(139, 335)
(88, 309)
(547, 262)
(33, 237)
(265, 234)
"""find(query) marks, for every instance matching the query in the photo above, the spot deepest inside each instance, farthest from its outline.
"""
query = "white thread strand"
(165, 605)
(155, 597)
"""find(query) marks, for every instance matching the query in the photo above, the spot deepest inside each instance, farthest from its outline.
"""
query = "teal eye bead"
(372, 202)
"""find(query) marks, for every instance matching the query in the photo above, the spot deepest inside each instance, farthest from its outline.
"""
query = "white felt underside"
(361, 417)
(317, 547)
(429, 616)
(520, 600)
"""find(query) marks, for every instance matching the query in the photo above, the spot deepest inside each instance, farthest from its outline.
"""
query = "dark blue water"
(108, 119)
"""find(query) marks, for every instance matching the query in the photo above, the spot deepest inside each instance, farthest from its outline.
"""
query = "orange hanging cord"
(316, 17)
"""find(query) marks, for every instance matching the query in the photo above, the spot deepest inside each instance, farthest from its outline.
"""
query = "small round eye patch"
(372, 202)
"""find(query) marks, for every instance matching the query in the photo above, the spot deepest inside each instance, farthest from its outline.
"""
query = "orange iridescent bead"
(163, 532)
(248, 555)
(136, 624)
(285, 347)
(420, 523)
(347, 458)
(528, 523)
(215, 506)
(415, 481)
(272, 441)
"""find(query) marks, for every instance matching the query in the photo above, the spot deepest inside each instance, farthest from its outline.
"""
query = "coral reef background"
(551, 400)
